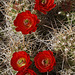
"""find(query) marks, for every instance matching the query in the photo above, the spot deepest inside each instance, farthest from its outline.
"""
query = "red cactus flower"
(26, 22)
(44, 5)
(45, 61)
(26, 72)
(20, 60)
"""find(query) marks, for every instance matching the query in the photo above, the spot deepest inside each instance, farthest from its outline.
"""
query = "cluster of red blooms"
(44, 61)
(26, 22)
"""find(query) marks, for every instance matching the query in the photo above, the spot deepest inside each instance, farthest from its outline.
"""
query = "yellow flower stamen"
(43, 1)
(21, 62)
(27, 74)
(27, 23)
(45, 62)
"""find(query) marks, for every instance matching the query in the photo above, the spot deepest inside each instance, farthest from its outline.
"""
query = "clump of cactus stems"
(63, 43)
(17, 41)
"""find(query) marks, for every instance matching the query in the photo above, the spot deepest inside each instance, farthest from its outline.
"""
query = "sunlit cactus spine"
(64, 42)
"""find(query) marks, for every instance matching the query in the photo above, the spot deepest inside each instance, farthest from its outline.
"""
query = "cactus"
(55, 32)
(64, 44)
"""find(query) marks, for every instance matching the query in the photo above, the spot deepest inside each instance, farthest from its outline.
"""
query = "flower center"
(27, 23)
(43, 1)
(21, 62)
(45, 62)
(27, 74)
